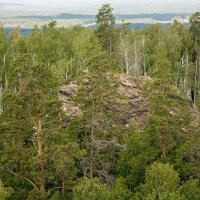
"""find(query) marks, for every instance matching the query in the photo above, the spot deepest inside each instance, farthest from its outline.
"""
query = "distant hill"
(60, 16)
(158, 17)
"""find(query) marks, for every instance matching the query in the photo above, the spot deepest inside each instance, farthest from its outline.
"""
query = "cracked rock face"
(67, 94)
(133, 107)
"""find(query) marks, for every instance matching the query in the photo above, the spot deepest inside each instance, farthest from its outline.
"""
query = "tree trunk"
(186, 74)
(63, 188)
(195, 81)
(163, 146)
(125, 50)
(40, 158)
(145, 70)
(92, 145)
(110, 46)
(3, 83)
(101, 91)
(1, 95)
(136, 59)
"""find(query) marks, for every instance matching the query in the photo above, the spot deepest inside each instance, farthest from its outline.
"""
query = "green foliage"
(191, 190)
(188, 158)
(195, 27)
(136, 158)
(3, 42)
(98, 89)
(90, 189)
(31, 127)
(119, 191)
(105, 27)
(4, 192)
(161, 183)
(168, 106)
(44, 154)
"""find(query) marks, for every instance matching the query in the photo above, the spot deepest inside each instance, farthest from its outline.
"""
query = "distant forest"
(69, 16)
(141, 26)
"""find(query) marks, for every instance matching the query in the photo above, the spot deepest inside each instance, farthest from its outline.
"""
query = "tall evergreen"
(106, 27)
(168, 107)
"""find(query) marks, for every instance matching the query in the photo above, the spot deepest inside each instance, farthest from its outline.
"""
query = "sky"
(120, 6)
(72, 3)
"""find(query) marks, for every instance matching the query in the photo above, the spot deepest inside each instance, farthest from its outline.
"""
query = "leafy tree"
(81, 47)
(139, 154)
(16, 44)
(119, 191)
(130, 46)
(161, 182)
(190, 189)
(4, 192)
(93, 189)
(34, 45)
(90, 189)
(188, 158)
(182, 48)
(154, 47)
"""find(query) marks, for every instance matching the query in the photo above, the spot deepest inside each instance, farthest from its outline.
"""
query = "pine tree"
(31, 129)
(195, 30)
(106, 27)
(3, 47)
(168, 106)
(96, 96)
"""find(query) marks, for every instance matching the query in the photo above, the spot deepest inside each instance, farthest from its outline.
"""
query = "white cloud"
(98, 2)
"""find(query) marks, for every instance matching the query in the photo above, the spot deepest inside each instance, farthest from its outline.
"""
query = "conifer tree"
(3, 47)
(195, 30)
(168, 106)
(105, 27)
(31, 127)
(96, 97)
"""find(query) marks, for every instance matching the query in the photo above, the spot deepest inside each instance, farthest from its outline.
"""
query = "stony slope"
(133, 106)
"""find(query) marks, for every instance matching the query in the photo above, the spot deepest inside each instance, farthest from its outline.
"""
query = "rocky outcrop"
(132, 107)
(67, 94)
(135, 107)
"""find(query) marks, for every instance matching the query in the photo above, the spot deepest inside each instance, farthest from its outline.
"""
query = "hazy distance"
(134, 6)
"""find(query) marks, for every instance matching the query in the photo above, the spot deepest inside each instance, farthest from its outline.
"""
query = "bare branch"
(24, 178)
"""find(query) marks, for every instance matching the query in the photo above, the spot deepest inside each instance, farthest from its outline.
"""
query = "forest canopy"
(99, 154)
